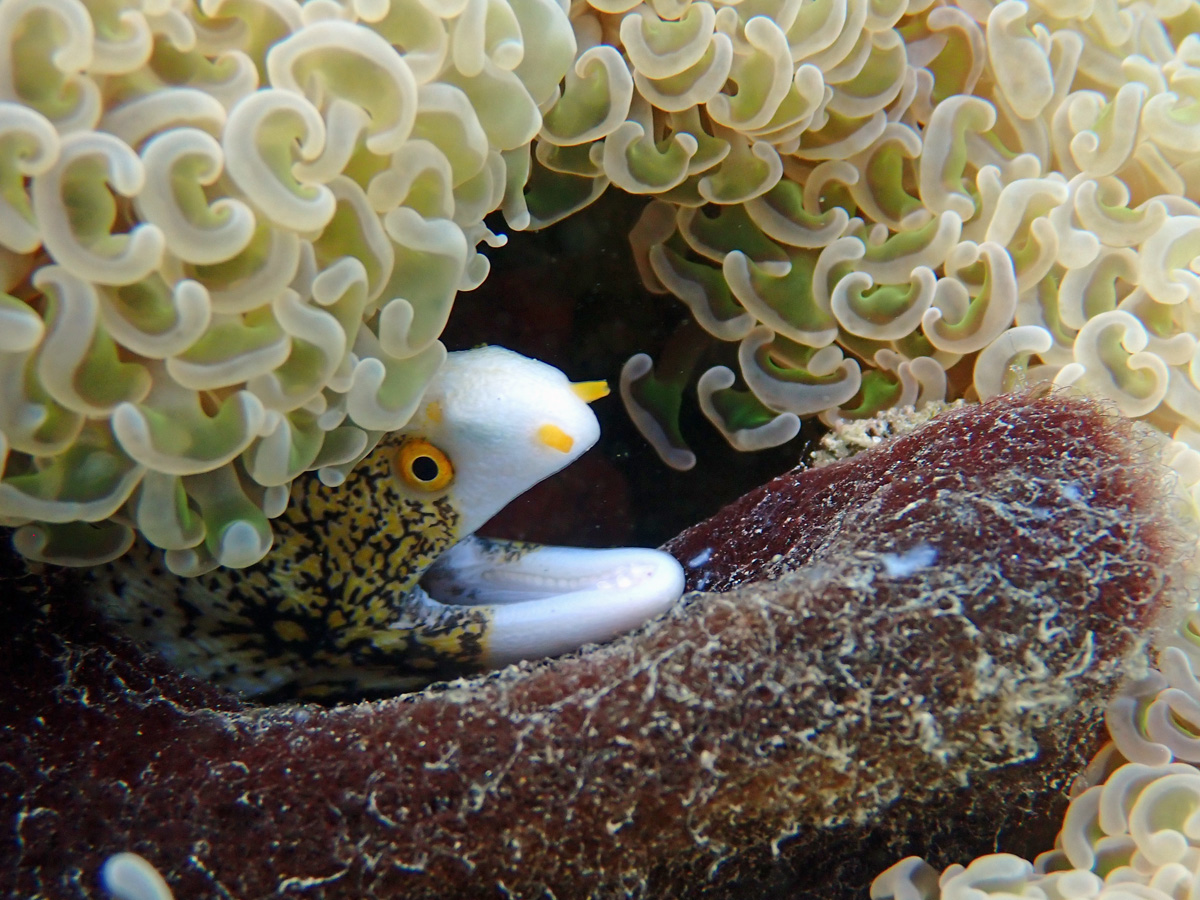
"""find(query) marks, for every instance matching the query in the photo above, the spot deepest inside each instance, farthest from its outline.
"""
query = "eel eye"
(423, 466)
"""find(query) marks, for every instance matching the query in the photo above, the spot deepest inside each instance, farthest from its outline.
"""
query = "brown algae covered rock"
(912, 654)
(969, 594)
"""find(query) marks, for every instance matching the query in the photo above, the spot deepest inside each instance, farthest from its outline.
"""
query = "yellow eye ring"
(423, 466)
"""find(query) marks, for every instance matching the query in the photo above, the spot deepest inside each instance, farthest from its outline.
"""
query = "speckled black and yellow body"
(334, 605)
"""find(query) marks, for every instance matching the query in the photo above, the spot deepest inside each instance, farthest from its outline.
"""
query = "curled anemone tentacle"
(377, 585)
(977, 188)
(230, 237)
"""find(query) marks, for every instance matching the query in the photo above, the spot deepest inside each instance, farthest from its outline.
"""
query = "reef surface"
(907, 651)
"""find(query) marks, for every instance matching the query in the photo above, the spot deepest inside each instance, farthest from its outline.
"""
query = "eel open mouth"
(545, 601)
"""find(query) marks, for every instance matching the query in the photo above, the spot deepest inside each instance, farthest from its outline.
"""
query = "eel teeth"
(544, 601)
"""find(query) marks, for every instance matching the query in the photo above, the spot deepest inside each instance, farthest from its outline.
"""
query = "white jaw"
(545, 601)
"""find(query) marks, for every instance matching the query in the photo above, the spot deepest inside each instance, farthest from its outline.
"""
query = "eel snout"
(545, 601)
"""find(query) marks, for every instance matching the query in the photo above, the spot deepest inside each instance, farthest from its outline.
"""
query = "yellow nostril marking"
(434, 412)
(554, 437)
(587, 391)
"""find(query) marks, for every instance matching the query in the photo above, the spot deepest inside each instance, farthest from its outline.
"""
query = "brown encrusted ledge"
(924, 673)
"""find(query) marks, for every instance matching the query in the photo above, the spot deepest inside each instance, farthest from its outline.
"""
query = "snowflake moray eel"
(379, 585)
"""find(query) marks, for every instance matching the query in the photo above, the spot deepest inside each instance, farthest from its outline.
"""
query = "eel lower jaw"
(545, 601)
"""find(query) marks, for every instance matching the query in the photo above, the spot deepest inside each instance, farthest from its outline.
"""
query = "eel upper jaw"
(545, 601)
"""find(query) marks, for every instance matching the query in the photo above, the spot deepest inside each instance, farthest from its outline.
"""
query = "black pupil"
(425, 468)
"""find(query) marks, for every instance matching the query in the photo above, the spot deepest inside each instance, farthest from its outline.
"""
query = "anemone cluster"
(231, 232)
(890, 203)
(1129, 837)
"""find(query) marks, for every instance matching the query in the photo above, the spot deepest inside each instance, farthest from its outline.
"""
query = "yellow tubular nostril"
(554, 437)
(587, 391)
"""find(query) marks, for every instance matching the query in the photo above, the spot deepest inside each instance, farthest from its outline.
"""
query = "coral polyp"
(888, 204)
(231, 233)
(230, 236)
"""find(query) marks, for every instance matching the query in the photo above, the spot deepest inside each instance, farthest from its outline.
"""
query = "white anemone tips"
(988, 311)
(244, 260)
(21, 329)
(197, 231)
(179, 438)
(384, 391)
(267, 124)
(1111, 349)
(824, 381)
(998, 365)
(1028, 82)
(353, 62)
(85, 242)
(1169, 259)
(40, 147)
(577, 118)
(777, 429)
(979, 189)
(655, 422)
